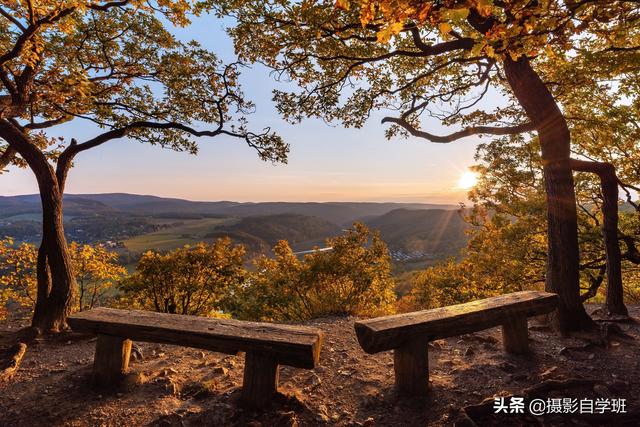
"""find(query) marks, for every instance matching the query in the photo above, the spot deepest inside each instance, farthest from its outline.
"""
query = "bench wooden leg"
(515, 336)
(111, 361)
(260, 381)
(411, 365)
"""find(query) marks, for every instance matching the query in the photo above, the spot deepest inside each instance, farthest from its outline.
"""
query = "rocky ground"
(174, 386)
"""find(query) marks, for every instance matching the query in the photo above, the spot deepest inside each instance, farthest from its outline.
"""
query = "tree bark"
(44, 285)
(562, 224)
(609, 188)
(51, 312)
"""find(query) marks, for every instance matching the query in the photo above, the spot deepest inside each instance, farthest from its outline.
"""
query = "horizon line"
(252, 202)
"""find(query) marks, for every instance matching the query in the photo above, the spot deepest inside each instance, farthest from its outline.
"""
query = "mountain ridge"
(85, 204)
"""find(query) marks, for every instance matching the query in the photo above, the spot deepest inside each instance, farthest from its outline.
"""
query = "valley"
(416, 234)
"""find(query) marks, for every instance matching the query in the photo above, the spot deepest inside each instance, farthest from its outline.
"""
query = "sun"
(467, 180)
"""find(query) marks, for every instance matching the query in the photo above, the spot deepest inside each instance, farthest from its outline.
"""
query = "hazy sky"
(326, 163)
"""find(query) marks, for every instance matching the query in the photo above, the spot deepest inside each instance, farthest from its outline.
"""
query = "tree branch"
(473, 130)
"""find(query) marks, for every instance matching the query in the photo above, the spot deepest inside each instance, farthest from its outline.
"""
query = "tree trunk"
(562, 221)
(615, 294)
(609, 188)
(44, 285)
(51, 311)
(51, 314)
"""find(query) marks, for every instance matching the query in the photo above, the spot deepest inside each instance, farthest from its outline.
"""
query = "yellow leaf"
(484, 7)
(445, 28)
(396, 27)
(455, 15)
(342, 4)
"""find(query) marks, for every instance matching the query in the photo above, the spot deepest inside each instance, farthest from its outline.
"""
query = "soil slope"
(174, 386)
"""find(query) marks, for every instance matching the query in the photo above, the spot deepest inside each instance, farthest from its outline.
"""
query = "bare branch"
(12, 19)
(473, 130)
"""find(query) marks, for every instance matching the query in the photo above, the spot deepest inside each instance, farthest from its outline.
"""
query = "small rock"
(592, 356)
(323, 414)
(220, 370)
(323, 418)
(202, 355)
(136, 352)
(166, 372)
(314, 380)
(369, 422)
(549, 372)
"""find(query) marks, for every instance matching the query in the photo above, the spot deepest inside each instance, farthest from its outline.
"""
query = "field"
(27, 217)
(186, 232)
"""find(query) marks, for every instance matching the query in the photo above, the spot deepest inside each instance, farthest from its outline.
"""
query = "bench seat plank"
(297, 346)
(390, 332)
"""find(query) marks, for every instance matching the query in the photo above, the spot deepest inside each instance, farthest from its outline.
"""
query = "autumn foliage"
(95, 269)
(194, 280)
(354, 277)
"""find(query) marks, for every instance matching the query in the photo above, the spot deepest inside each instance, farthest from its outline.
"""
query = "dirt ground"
(175, 386)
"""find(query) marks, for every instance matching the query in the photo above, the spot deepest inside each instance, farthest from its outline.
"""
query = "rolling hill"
(435, 232)
(88, 204)
(412, 230)
(261, 233)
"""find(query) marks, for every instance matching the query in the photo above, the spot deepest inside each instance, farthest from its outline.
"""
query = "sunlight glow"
(467, 180)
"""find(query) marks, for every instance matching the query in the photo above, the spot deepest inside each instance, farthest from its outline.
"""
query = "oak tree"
(115, 66)
(415, 60)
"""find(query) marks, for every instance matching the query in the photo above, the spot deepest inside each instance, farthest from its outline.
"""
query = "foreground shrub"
(17, 277)
(96, 270)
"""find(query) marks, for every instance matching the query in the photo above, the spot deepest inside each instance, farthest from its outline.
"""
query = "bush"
(17, 277)
(95, 268)
(354, 277)
(196, 280)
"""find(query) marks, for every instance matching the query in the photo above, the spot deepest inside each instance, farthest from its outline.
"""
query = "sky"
(326, 163)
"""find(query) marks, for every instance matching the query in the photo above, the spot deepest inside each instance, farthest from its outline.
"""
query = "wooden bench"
(266, 345)
(409, 334)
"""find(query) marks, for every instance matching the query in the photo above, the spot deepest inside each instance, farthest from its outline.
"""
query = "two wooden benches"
(409, 334)
(269, 345)
(266, 345)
